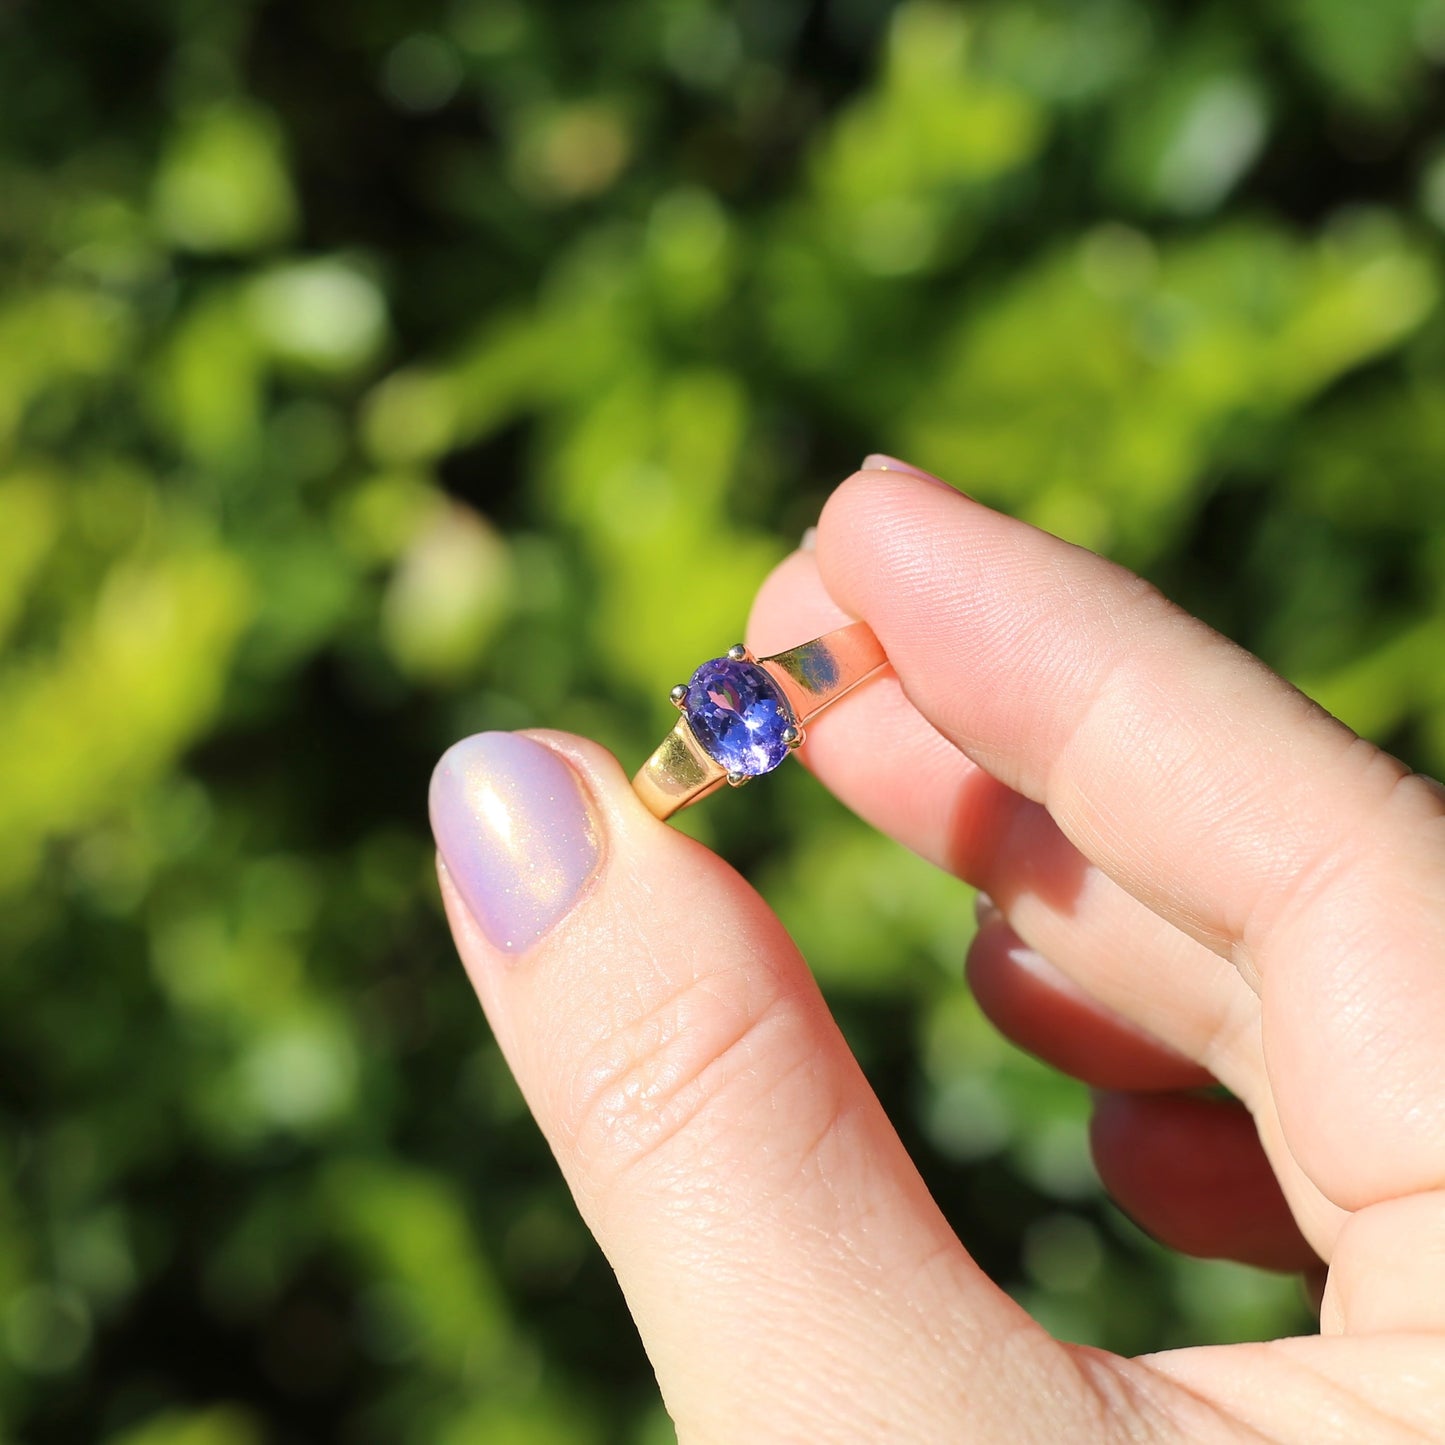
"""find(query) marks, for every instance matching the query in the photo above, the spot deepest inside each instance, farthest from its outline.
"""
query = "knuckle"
(1383, 807)
(663, 1073)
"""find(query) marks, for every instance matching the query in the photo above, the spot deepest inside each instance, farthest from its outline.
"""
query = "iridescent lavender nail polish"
(516, 833)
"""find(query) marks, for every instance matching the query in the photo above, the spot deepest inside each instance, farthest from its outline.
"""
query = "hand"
(1227, 883)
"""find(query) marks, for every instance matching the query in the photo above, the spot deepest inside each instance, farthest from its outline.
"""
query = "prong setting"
(736, 779)
(738, 652)
(793, 737)
(679, 695)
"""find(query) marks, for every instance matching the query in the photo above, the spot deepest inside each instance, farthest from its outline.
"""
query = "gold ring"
(742, 715)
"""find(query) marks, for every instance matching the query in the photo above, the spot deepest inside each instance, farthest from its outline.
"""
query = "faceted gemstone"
(738, 715)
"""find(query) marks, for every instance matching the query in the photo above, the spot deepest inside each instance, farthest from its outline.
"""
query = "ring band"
(741, 715)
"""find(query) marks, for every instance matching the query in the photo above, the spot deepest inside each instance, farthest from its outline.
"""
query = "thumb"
(786, 1266)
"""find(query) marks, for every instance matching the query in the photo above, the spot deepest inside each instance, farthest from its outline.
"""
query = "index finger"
(1202, 782)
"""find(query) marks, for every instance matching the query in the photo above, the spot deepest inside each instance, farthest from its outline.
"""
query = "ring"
(742, 715)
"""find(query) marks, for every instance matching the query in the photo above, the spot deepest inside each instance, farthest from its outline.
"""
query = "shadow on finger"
(1191, 1172)
(1044, 1011)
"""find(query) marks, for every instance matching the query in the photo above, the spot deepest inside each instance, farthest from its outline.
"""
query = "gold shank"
(678, 773)
(819, 672)
(810, 677)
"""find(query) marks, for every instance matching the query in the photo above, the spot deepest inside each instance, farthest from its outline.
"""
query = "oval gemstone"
(738, 715)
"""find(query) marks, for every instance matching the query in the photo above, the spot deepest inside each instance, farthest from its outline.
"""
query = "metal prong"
(793, 736)
(679, 695)
(736, 780)
(739, 653)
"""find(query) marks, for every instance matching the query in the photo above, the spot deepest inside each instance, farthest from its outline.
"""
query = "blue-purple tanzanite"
(738, 715)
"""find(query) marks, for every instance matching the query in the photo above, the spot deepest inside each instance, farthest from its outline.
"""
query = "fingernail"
(516, 834)
(878, 462)
(809, 540)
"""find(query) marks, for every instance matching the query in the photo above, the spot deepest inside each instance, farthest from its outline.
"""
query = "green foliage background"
(373, 373)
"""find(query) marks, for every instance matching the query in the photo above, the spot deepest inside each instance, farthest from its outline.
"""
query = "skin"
(1193, 874)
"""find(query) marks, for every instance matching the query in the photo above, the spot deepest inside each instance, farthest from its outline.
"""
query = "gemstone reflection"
(739, 715)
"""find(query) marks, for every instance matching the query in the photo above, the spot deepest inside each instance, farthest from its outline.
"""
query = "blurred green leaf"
(1373, 55)
(222, 184)
(223, 1426)
(150, 661)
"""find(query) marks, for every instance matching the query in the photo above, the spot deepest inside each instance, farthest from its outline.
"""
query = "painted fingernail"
(878, 462)
(516, 833)
(809, 540)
